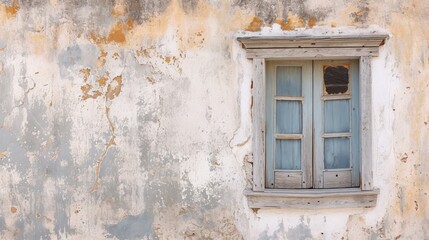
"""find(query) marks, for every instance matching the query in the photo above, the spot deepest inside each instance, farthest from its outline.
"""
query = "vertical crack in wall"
(113, 90)
(27, 84)
(94, 87)
(108, 145)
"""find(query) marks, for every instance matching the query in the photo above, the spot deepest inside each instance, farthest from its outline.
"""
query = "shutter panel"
(336, 119)
(289, 148)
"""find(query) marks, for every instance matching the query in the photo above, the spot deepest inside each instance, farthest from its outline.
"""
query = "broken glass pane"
(336, 79)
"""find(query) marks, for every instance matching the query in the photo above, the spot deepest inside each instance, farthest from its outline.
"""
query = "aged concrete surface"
(126, 119)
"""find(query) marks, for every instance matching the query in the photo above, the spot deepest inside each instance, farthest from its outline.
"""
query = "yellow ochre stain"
(116, 34)
(114, 88)
(3, 155)
(101, 60)
(12, 10)
(86, 72)
(13, 209)
(255, 25)
(102, 81)
(293, 22)
(119, 9)
(312, 22)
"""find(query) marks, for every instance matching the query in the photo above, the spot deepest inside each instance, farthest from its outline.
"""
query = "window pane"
(288, 81)
(288, 154)
(288, 117)
(337, 116)
(337, 153)
(336, 79)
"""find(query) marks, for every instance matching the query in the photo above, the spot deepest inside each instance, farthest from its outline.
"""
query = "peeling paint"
(255, 25)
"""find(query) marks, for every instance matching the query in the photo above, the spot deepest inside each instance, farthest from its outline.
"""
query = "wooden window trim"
(260, 49)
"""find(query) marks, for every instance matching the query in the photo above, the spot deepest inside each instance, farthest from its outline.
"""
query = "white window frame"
(332, 47)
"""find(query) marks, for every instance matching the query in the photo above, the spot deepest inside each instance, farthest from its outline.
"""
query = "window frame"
(330, 47)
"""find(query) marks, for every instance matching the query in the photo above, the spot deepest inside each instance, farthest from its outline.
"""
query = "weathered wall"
(130, 119)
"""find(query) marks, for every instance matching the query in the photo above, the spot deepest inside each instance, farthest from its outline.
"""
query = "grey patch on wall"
(3, 43)
(70, 56)
(301, 231)
(142, 10)
(361, 16)
(17, 158)
(207, 199)
(132, 227)
(163, 186)
(295, 6)
(75, 57)
(109, 177)
(32, 3)
(56, 135)
(189, 5)
(244, 3)
(40, 231)
(37, 127)
(87, 15)
(6, 91)
(267, 10)
(298, 7)
(20, 226)
(62, 215)
(2, 222)
(279, 233)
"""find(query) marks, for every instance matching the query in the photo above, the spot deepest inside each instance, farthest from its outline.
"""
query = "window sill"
(312, 198)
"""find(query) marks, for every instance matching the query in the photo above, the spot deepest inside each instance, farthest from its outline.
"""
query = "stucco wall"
(130, 119)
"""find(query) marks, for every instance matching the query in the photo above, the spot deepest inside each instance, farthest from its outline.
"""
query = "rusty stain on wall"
(3, 155)
(255, 25)
(12, 10)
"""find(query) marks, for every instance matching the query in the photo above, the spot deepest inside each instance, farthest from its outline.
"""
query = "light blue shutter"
(336, 122)
(288, 141)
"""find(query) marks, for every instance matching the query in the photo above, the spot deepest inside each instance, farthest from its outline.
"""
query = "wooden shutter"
(289, 124)
(336, 124)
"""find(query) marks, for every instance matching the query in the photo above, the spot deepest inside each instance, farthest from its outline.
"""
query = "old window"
(312, 103)
(312, 120)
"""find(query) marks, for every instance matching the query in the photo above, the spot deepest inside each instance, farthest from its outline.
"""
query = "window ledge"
(312, 198)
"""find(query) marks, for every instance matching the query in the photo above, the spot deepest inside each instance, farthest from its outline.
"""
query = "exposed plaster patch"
(293, 21)
(13, 209)
(11, 10)
(114, 88)
(117, 34)
(312, 22)
(255, 25)
(3, 155)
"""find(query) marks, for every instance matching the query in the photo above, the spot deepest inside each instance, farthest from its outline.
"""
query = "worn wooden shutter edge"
(366, 122)
(258, 126)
